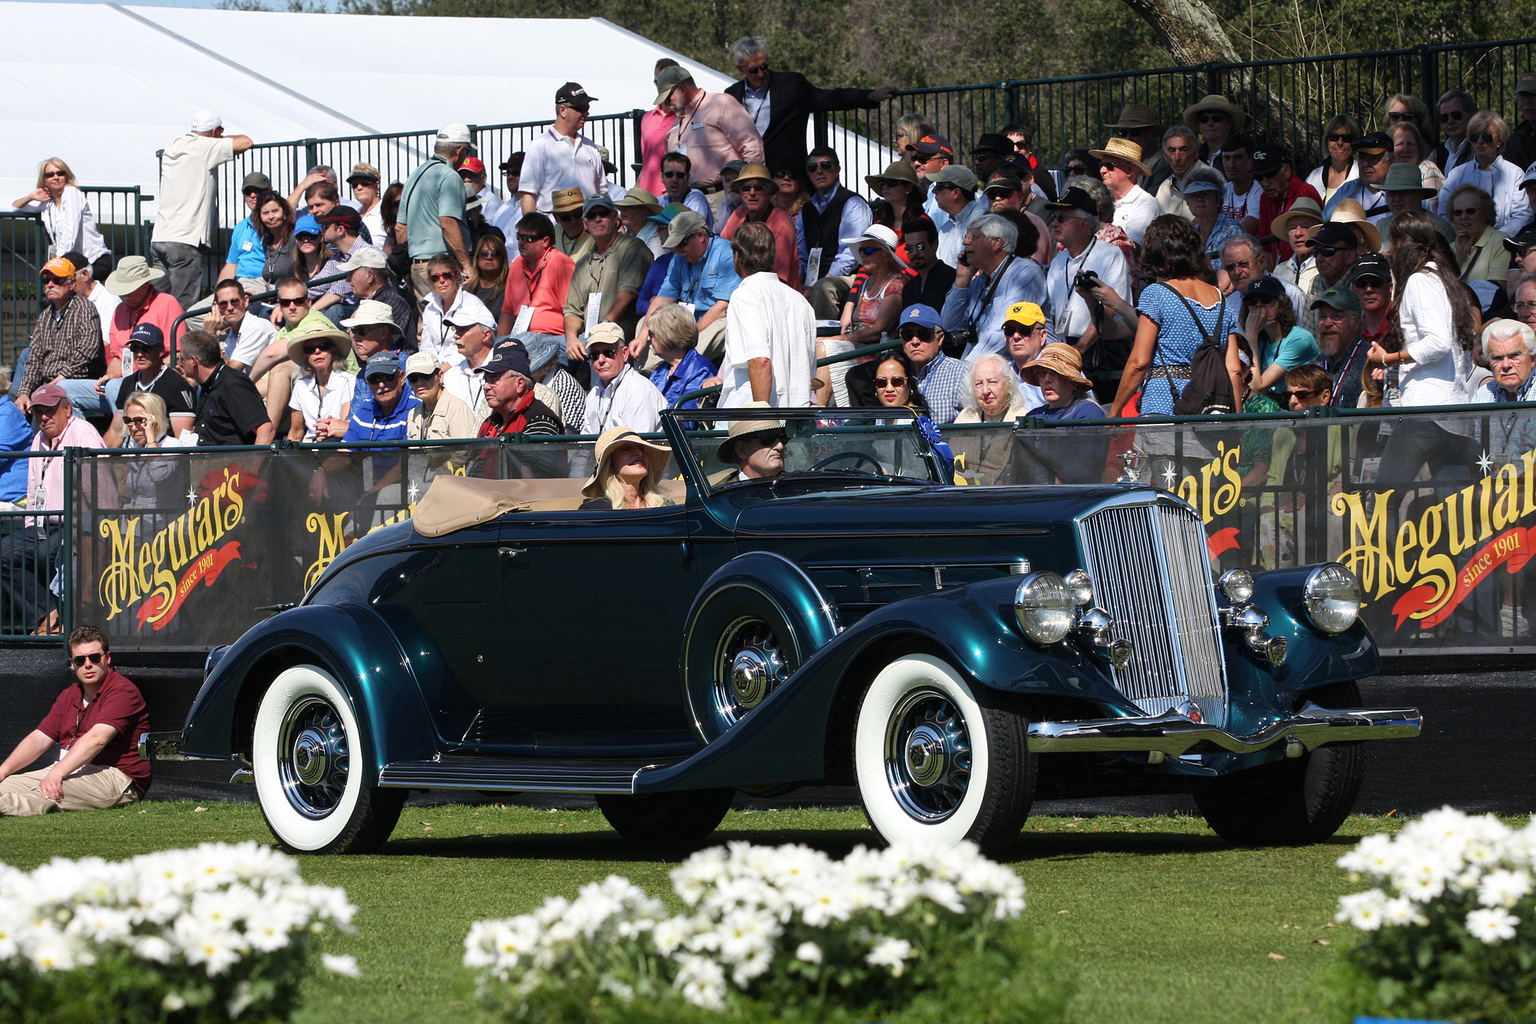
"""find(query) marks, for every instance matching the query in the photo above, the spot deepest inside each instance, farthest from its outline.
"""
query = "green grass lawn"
(1164, 922)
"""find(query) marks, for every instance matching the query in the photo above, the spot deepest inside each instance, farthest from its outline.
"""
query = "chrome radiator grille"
(1151, 572)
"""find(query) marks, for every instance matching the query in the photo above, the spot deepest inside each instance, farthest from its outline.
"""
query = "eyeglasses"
(94, 658)
(1369, 283)
(921, 247)
(1340, 137)
(1399, 115)
(1484, 137)
(752, 186)
(756, 69)
(1455, 115)
(820, 165)
(302, 300)
(674, 174)
(527, 239)
(917, 334)
(890, 382)
(566, 218)
(136, 421)
(323, 346)
(1525, 307)
(228, 303)
(1213, 118)
(447, 275)
(1469, 211)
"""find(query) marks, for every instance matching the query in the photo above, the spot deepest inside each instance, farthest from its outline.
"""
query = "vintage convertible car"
(954, 652)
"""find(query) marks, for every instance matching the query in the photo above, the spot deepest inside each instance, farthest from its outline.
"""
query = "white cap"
(456, 134)
(468, 316)
(206, 120)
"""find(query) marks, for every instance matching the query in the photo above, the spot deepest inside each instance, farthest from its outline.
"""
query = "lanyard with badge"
(684, 127)
(1064, 314)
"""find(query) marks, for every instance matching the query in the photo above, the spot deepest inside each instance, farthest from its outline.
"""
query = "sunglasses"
(605, 353)
(869, 250)
(361, 331)
(1300, 395)
(483, 253)
(245, 192)
(419, 380)
(787, 175)
(674, 174)
(1009, 330)
(1213, 118)
(603, 213)
(1263, 300)
(1469, 211)
(1076, 169)
(94, 658)
(302, 300)
(381, 383)
(323, 346)
(527, 239)
(1455, 115)
(1399, 115)
(1340, 137)
(890, 382)
(820, 165)
(53, 279)
(304, 237)
(228, 303)
(55, 174)
(136, 421)
(144, 350)
(1266, 175)
(756, 69)
(920, 247)
(777, 437)
(1370, 283)
(752, 186)
(566, 218)
(941, 186)
(917, 334)
(1484, 137)
(448, 275)
(1372, 158)
(1324, 250)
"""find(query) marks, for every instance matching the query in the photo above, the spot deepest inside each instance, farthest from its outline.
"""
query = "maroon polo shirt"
(1268, 212)
(119, 704)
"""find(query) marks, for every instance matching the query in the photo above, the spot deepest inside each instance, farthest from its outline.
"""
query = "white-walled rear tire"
(934, 765)
(304, 747)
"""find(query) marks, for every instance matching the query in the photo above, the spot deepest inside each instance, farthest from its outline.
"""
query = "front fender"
(351, 643)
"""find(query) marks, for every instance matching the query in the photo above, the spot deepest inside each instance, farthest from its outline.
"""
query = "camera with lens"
(1086, 280)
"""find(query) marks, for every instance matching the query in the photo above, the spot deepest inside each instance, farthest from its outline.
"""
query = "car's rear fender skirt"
(348, 641)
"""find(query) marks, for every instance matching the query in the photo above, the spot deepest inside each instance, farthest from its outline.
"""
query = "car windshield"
(747, 447)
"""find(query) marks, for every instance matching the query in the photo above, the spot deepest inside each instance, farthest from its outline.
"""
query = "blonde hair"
(673, 327)
(613, 488)
(154, 408)
(1488, 121)
(42, 171)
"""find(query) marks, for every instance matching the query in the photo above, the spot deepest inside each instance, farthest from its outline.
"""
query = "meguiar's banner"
(184, 550)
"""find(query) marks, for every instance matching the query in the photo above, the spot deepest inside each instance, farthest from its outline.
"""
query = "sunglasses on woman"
(890, 382)
(136, 421)
(323, 346)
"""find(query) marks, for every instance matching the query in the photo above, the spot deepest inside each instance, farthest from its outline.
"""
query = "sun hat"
(1134, 115)
(880, 235)
(754, 172)
(1119, 148)
(1217, 104)
(1305, 206)
(363, 172)
(370, 312)
(896, 170)
(641, 198)
(1060, 358)
(1406, 178)
(1352, 213)
(656, 455)
(310, 331)
(542, 349)
(132, 273)
(992, 142)
(564, 200)
(1202, 179)
(726, 452)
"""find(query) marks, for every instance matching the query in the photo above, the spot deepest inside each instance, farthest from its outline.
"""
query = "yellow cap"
(1026, 313)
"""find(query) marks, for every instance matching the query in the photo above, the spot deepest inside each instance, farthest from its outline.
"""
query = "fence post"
(311, 155)
(1212, 79)
(635, 117)
(69, 550)
(1011, 104)
(1429, 76)
(819, 129)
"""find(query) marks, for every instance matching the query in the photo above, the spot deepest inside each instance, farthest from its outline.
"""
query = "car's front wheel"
(1292, 802)
(934, 764)
(675, 820)
(305, 751)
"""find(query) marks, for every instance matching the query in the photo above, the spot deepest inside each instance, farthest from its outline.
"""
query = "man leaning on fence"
(96, 722)
(29, 556)
(186, 197)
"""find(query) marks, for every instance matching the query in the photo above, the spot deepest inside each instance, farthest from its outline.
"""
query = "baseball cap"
(1371, 264)
(955, 174)
(49, 395)
(513, 162)
(670, 79)
(307, 225)
(1340, 298)
(77, 260)
(256, 180)
(1075, 198)
(362, 172)
(465, 316)
(1268, 158)
(1334, 236)
(573, 95)
(683, 225)
(365, 256)
(931, 145)
(668, 213)
(382, 364)
(1002, 182)
(508, 357)
(1267, 286)
(342, 215)
(921, 315)
(1026, 313)
(147, 336)
(1375, 142)
(421, 363)
(605, 333)
(456, 134)
(206, 120)
(58, 267)
(1522, 241)
(474, 165)
(598, 202)
(1526, 84)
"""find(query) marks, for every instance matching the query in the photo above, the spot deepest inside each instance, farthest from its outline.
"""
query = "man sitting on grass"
(96, 722)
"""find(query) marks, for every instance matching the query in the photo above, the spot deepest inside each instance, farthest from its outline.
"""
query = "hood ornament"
(1134, 458)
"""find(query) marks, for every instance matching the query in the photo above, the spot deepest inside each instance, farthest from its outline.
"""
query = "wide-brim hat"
(897, 170)
(303, 335)
(754, 172)
(1060, 358)
(370, 312)
(1304, 206)
(1135, 115)
(132, 273)
(880, 235)
(639, 197)
(1352, 213)
(656, 455)
(564, 200)
(1216, 103)
(1119, 148)
(1406, 178)
(726, 452)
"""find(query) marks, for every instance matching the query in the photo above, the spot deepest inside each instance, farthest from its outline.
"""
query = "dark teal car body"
(834, 626)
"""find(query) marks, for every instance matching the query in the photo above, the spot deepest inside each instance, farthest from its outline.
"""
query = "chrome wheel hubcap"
(312, 761)
(749, 666)
(928, 755)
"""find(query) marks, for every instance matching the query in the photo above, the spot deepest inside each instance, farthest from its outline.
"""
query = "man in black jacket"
(779, 102)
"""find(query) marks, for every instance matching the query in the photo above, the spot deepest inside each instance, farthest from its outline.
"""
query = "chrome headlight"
(1043, 606)
(1080, 587)
(1332, 595)
(1237, 585)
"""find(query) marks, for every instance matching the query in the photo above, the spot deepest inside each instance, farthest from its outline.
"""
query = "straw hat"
(1119, 148)
(132, 273)
(309, 332)
(1352, 213)
(656, 456)
(1304, 206)
(1217, 104)
(641, 198)
(739, 429)
(754, 172)
(564, 200)
(896, 170)
(1059, 358)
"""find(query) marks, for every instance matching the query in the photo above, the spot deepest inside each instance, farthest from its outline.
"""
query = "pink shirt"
(45, 477)
(714, 131)
(786, 251)
(654, 126)
(162, 309)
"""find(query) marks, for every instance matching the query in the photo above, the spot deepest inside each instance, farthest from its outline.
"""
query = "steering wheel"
(856, 457)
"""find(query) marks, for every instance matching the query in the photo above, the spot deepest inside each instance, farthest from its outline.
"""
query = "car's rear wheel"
(674, 820)
(1292, 802)
(934, 764)
(305, 751)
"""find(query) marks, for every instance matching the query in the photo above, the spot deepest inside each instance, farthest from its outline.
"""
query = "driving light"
(1043, 607)
(1237, 585)
(1080, 587)
(1332, 595)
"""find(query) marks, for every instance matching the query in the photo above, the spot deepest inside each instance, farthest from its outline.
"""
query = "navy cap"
(1371, 264)
(147, 336)
(1375, 142)
(923, 316)
(382, 364)
(1267, 286)
(1269, 157)
(509, 356)
(1335, 236)
(1075, 198)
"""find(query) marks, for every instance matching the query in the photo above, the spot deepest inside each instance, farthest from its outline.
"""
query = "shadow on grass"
(610, 846)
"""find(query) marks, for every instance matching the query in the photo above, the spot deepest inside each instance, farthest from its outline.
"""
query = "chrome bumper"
(1174, 734)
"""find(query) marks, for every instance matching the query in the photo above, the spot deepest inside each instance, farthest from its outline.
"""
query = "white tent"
(103, 86)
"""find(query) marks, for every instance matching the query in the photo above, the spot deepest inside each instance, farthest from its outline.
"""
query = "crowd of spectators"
(444, 306)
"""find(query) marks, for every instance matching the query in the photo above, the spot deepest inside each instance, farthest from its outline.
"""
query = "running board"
(518, 775)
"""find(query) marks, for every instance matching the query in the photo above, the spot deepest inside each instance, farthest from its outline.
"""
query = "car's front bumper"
(1173, 734)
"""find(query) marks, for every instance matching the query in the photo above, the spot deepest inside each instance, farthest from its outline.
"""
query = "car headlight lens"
(1043, 607)
(1332, 595)
(1237, 585)
(1080, 587)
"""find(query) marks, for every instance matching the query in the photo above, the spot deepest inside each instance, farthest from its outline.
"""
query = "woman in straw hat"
(1295, 226)
(1216, 119)
(320, 388)
(628, 470)
(1058, 372)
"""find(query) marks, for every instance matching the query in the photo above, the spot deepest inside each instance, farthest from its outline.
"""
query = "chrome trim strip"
(520, 776)
(1173, 734)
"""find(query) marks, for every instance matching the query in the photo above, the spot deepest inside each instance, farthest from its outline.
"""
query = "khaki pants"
(712, 341)
(421, 284)
(93, 787)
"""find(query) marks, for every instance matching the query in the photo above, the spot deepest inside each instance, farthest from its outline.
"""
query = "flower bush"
(1449, 929)
(220, 932)
(781, 933)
